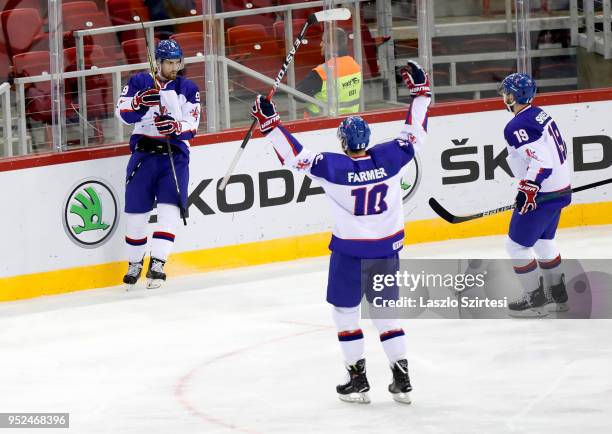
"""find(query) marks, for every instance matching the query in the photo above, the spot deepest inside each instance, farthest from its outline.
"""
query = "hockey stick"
(161, 110)
(338, 14)
(451, 218)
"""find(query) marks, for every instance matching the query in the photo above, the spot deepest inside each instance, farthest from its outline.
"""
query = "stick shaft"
(279, 78)
(168, 145)
(451, 218)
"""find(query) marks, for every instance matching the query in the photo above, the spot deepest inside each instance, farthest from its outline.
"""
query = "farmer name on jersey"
(367, 175)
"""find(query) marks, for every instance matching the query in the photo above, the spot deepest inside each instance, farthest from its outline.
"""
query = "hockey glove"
(145, 98)
(416, 79)
(526, 197)
(265, 113)
(167, 125)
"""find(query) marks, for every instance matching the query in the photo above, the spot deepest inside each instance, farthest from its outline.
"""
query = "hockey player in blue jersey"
(161, 111)
(364, 188)
(537, 156)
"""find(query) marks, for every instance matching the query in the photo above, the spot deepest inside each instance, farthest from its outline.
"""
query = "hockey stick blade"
(451, 218)
(441, 211)
(338, 14)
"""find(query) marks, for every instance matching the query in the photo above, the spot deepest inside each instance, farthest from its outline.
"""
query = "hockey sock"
(525, 265)
(392, 338)
(163, 238)
(136, 235)
(549, 260)
(349, 333)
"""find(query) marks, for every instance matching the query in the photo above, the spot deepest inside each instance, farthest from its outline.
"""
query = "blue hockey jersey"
(180, 99)
(364, 192)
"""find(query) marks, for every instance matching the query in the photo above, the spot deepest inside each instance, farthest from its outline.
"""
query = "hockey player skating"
(537, 156)
(166, 110)
(364, 189)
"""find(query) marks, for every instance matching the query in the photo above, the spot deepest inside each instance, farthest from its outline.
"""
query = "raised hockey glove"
(167, 125)
(416, 79)
(145, 98)
(265, 113)
(526, 197)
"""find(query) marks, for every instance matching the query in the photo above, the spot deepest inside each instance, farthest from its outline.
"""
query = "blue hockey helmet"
(354, 134)
(519, 85)
(168, 49)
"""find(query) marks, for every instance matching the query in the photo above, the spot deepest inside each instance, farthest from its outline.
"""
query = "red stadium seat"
(79, 8)
(6, 5)
(107, 41)
(313, 37)
(310, 51)
(38, 95)
(123, 4)
(191, 43)
(299, 13)
(23, 31)
(100, 4)
(4, 66)
(135, 50)
(267, 20)
(192, 27)
(99, 99)
(262, 50)
(125, 12)
(243, 38)
(4, 58)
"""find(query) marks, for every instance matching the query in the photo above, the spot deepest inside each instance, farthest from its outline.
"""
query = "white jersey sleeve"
(364, 192)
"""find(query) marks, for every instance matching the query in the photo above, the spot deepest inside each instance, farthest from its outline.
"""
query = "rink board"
(269, 214)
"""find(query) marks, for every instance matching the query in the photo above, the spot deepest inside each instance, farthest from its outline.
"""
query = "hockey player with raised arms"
(163, 111)
(364, 188)
(537, 156)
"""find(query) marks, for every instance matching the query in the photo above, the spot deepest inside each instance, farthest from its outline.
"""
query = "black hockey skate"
(556, 297)
(155, 274)
(530, 305)
(357, 386)
(133, 274)
(400, 388)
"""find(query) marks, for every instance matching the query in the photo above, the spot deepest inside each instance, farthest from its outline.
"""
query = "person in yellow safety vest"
(348, 80)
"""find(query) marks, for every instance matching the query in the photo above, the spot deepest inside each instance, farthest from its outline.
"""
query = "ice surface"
(254, 350)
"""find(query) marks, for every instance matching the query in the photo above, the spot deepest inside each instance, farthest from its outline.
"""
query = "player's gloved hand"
(167, 125)
(265, 113)
(526, 197)
(145, 98)
(416, 79)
